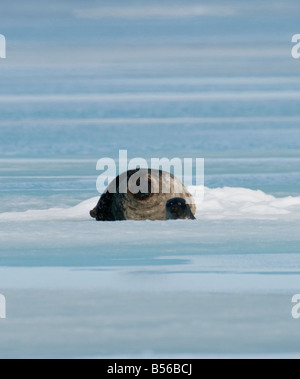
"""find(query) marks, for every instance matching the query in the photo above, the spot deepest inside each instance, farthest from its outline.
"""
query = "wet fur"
(152, 206)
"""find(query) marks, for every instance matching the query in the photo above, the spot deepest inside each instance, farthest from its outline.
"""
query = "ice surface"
(218, 203)
(110, 324)
(180, 80)
(214, 287)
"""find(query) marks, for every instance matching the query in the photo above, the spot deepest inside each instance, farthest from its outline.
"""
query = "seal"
(178, 209)
(140, 194)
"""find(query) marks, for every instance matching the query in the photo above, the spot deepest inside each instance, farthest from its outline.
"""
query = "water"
(194, 80)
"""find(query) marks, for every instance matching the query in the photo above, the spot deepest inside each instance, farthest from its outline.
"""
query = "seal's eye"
(180, 204)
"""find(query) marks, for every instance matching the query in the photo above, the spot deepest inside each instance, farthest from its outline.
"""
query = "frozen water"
(210, 81)
(218, 203)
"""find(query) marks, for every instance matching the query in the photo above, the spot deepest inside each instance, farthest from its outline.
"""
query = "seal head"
(142, 194)
(178, 209)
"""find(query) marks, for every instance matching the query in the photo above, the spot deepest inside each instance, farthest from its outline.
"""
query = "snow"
(220, 286)
(218, 203)
(226, 90)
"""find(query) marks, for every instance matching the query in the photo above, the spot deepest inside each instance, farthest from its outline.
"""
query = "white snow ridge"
(219, 203)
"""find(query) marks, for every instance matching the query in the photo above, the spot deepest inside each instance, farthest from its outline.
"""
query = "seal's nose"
(173, 207)
(93, 213)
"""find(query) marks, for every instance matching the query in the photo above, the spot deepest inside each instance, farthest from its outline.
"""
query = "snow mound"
(218, 203)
